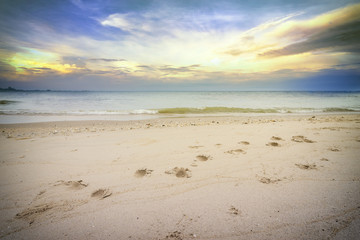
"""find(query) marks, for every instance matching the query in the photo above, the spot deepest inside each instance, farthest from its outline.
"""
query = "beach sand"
(258, 177)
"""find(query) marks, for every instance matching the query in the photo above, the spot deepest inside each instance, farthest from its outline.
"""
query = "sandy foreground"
(268, 177)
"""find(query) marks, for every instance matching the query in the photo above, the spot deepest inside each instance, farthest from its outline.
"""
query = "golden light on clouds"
(33, 61)
(162, 46)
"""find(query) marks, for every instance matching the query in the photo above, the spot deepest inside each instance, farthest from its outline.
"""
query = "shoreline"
(70, 127)
(253, 177)
(150, 117)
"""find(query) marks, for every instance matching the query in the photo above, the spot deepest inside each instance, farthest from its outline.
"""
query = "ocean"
(40, 106)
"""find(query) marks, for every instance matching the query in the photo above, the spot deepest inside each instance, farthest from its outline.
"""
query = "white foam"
(144, 111)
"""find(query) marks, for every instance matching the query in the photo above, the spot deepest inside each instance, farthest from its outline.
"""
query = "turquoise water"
(50, 106)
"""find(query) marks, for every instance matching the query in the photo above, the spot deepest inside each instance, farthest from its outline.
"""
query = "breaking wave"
(184, 111)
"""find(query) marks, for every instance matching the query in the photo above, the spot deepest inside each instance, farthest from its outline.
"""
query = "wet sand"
(260, 177)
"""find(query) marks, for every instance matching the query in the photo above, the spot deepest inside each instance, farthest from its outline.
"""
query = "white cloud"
(166, 21)
(127, 22)
(78, 3)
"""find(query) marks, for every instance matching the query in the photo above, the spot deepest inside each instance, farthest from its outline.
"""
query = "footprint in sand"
(30, 214)
(234, 211)
(306, 166)
(301, 139)
(244, 142)
(143, 172)
(180, 172)
(276, 138)
(334, 149)
(273, 144)
(236, 151)
(196, 147)
(267, 180)
(202, 158)
(75, 185)
(41, 192)
(59, 197)
(177, 235)
(101, 193)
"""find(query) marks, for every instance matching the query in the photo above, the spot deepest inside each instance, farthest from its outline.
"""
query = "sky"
(180, 45)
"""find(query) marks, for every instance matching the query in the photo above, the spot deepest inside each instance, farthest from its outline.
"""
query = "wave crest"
(214, 110)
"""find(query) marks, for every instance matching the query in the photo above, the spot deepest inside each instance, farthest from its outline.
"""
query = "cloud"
(121, 21)
(145, 69)
(327, 79)
(107, 59)
(342, 38)
(253, 40)
(4, 67)
(38, 70)
(129, 22)
(168, 20)
(336, 31)
(78, 61)
(78, 3)
(300, 29)
(173, 69)
(7, 71)
(165, 42)
(349, 65)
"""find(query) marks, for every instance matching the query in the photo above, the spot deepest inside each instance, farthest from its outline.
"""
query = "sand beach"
(246, 177)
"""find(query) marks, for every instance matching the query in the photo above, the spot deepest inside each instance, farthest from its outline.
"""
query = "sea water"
(35, 106)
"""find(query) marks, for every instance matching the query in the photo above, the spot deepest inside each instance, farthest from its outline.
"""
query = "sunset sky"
(180, 45)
